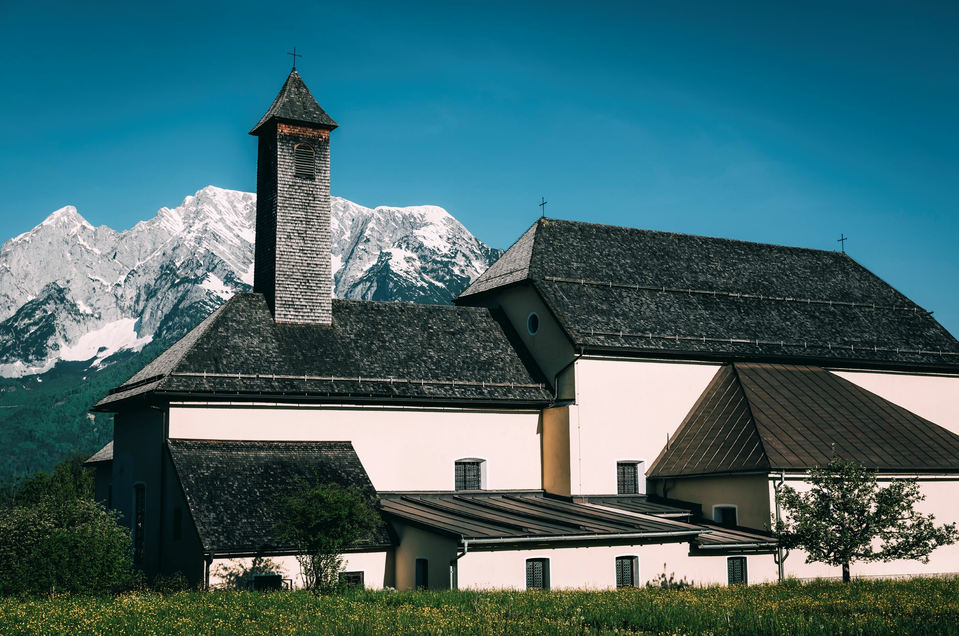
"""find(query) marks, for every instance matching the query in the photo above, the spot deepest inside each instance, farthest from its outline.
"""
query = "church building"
(603, 407)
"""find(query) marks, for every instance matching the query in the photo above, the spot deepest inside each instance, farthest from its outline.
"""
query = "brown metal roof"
(524, 516)
(770, 417)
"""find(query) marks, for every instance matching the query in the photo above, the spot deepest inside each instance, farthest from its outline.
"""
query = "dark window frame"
(421, 573)
(736, 571)
(628, 477)
(728, 515)
(627, 570)
(532, 565)
(354, 579)
(468, 474)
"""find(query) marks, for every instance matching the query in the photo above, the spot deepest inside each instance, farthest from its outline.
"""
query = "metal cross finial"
(842, 240)
(543, 205)
(295, 55)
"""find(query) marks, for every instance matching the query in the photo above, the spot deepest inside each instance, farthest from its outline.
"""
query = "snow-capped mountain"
(71, 291)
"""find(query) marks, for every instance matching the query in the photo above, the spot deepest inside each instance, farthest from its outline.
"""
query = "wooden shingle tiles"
(233, 488)
(768, 417)
(374, 351)
(618, 290)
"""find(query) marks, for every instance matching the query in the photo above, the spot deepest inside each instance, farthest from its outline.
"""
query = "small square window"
(626, 571)
(725, 515)
(537, 574)
(736, 567)
(469, 474)
(352, 579)
(628, 476)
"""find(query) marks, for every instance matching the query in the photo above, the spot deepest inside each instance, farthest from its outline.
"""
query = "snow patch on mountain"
(72, 291)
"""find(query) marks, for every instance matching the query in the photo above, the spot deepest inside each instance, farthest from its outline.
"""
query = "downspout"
(454, 578)
(207, 562)
(780, 555)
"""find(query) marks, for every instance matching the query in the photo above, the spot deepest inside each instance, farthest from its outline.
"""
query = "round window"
(532, 323)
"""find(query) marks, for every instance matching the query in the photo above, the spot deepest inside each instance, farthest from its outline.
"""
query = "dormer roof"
(296, 104)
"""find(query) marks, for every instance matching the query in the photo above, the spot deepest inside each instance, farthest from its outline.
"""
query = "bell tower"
(293, 261)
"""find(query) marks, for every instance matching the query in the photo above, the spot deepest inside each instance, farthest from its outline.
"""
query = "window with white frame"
(537, 574)
(725, 515)
(631, 477)
(470, 474)
(627, 571)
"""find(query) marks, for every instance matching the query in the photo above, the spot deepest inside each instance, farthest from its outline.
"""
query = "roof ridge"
(714, 238)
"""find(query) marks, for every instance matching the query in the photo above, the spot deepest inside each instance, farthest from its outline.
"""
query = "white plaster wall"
(935, 398)
(624, 410)
(373, 564)
(941, 499)
(595, 567)
(400, 449)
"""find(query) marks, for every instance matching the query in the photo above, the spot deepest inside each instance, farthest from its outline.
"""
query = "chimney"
(293, 262)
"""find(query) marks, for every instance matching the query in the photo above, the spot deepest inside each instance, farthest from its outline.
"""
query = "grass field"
(918, 606)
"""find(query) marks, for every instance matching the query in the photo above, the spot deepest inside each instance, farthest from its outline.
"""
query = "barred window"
(736, 567)
(628, 476)
(537, 574)
(626, 571)
(304, 162)
(468, 474)
(352, 579)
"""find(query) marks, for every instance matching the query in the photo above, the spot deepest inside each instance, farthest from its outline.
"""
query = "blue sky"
(770, 121)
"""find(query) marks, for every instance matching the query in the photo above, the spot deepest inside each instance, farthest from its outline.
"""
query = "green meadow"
(916, 606)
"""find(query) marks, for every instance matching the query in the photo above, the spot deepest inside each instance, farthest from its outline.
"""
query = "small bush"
(63, 545)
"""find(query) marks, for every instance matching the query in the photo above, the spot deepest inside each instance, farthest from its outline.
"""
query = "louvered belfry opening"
(292, 257)
(304, 162)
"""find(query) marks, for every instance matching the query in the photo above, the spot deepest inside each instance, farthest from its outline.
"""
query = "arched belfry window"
(304, 161)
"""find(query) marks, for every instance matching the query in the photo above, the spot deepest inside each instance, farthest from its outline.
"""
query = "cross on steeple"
(295, 55)
(543, 205)
(842, 240)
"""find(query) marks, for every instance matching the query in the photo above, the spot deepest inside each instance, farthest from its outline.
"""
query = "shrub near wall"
(68, 545)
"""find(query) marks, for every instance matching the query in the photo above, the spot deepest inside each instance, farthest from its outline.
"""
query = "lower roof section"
(517, 517)
(234, 489)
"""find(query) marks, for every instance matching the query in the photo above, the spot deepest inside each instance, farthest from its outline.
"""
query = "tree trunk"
(845, 573)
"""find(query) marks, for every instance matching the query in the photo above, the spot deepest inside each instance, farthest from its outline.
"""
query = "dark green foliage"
(55, 537)
(321, 521)
(846, 517)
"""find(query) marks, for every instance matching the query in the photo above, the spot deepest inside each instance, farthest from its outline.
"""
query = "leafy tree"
(55, 537)
(322, 521)
(846, 517)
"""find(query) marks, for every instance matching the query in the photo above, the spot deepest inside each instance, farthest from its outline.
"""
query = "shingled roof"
(771, 418)
(233, 488)
(623, 290)
(374, 351)
(295, 104)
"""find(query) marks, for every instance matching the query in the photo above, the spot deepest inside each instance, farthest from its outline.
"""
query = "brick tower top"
(292, 257)
(295, 104)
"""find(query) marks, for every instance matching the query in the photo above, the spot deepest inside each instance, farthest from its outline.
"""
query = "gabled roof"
(620, 290)
(770, 418)
(374, 351)
(233, 488)
(295, 104)
(505, 516)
